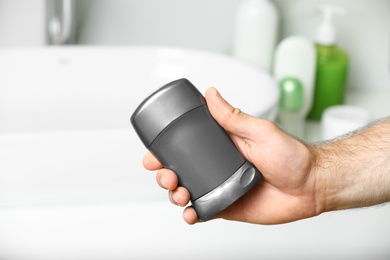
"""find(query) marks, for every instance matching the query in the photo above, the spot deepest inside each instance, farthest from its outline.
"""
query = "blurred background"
(71, 181)
(363, 33)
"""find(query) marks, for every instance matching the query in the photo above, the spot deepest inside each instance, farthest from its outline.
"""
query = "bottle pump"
(326, 32)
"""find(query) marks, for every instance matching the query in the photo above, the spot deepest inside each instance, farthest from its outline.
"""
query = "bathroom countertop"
(375, 102)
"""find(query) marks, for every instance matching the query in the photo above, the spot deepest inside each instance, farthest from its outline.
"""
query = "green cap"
(291, 94)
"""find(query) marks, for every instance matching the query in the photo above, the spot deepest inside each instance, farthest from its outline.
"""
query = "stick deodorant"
(175, 124)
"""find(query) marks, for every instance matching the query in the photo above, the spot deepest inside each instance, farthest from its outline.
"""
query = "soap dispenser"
(256, 32)
(332, 65)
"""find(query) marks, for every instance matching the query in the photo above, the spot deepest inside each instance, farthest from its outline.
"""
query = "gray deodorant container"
(175, 124)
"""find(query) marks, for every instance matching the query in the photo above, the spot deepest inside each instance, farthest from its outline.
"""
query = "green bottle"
(332, 67)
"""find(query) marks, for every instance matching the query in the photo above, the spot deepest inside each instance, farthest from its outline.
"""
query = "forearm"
(354, 171)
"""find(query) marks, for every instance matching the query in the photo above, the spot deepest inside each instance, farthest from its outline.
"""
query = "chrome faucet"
(60, 21)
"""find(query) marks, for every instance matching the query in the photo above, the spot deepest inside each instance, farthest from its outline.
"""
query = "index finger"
(150, 162)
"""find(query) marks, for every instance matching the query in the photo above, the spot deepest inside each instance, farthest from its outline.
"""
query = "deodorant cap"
(163, 107)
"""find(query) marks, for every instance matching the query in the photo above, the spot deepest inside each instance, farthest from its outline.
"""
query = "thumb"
(232, 119)
(252, 136)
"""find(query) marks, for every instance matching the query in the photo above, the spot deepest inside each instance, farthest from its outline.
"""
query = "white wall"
(205, 24)
(22, 23)
(208, 24)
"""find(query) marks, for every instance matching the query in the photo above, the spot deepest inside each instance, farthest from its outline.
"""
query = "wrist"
(337, 184)
(320, 180)
(352, 172)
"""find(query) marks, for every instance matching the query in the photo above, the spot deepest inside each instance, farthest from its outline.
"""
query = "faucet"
(60, 21)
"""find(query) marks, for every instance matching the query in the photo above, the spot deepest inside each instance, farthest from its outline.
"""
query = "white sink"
(65, 133)
(96, 88)
(71, 181)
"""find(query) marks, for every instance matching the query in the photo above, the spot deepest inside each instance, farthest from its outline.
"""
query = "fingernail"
(163, 178)
(217, 93)
(172, 199)
(161, 181)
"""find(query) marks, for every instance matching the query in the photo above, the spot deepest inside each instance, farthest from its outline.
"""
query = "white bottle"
(256, 32)
(296, 57)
